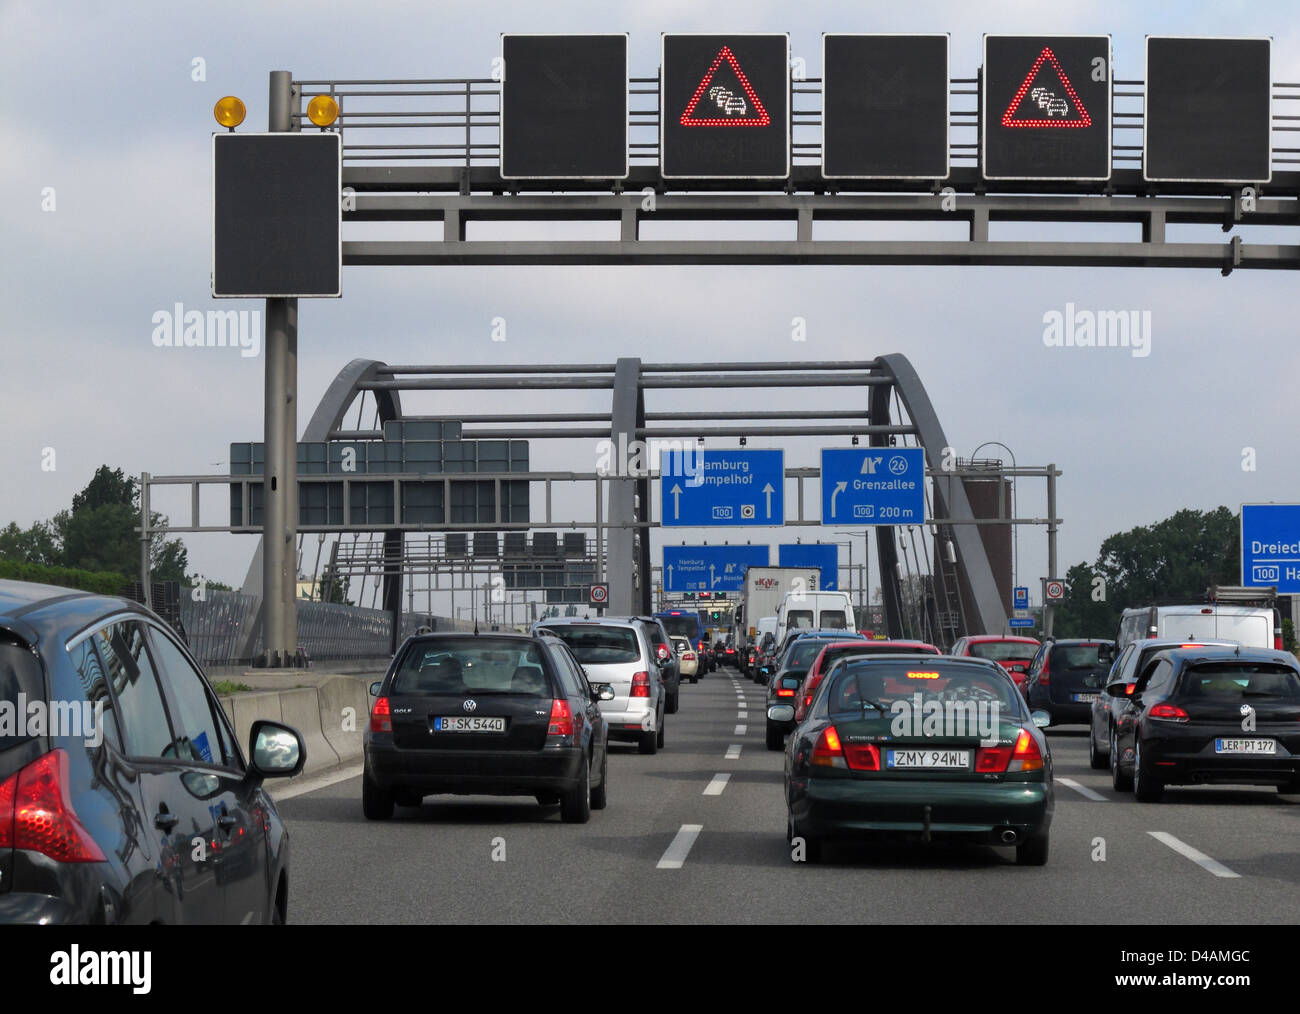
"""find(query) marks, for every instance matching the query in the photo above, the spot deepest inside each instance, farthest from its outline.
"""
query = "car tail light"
(1044, 674)
(862, 756)
(807, 700)
(1277, 642)
(828, 753)
(783, 692)
(381, 719)
(992, 759)
(1169, 713)
(1026, 756)
(688, 656)
(561, 719)
(36, 813)
(640, 684)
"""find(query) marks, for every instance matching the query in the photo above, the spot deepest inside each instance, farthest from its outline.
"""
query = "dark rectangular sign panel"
(564, 107)
(725, 107)
(885, 106)
(277, 225)
(1209, 110)
(1046, 107)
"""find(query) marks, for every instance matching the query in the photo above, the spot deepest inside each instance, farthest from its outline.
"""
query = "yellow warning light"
(229, 111)
(322, 110)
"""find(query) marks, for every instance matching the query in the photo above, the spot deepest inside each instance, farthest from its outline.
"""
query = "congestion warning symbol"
(1046, 98)
(729, 101)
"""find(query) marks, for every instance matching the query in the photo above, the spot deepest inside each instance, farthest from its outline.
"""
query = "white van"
(1253, 626)
(819, 610)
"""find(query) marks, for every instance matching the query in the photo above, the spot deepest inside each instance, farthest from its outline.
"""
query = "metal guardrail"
(459, 120)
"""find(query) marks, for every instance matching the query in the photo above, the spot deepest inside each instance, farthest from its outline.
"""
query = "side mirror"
(602, 692)
(781, 713)
(374, 688)
(277, 751)
(1105, 654)
(663, 661)
(1041, 719)
(1119, 690)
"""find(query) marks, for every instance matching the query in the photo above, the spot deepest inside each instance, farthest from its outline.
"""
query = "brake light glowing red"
(36, 813)
(783, 692)
(640, 684)
(1044, 674)
(561, 719)
(1026, 756)
(381, 719)
(862, 756)
(1169, 713)
(828, 753)
(992, 759)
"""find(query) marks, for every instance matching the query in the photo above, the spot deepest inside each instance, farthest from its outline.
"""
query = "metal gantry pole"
(1049, 610)
(145, 541)
(280, 485)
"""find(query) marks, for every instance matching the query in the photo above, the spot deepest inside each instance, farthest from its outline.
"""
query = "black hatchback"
(124, 797)
(1066, 676)
(486, 714)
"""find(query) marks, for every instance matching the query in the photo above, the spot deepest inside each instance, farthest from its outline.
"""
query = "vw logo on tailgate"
(470, 704)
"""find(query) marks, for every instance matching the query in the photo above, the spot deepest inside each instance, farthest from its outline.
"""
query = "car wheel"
(1145, 788)
(1290, 789)
(376, 803)
(599, 796)
(695, 679)
(775, 737)
(1032, 851)
(663, 730)
(575, 805)
(1118, 780)
(1095, 760)
(671, 707)
(649, 741)
(407, 798)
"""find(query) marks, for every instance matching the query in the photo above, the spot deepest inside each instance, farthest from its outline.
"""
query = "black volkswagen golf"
(486, 714)
(124, 797)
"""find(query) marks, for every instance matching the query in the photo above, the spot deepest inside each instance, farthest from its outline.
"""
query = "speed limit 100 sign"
(1054, 590)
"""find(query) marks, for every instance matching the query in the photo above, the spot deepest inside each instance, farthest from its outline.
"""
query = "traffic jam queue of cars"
(890, 738)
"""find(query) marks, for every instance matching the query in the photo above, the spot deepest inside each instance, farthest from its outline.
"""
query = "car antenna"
(476, 628)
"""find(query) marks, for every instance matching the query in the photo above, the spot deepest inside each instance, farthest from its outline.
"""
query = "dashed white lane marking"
(1082, 790)
(733, 752)
(740, 730)
(679, 848)
(715, 787)
(1195, 855)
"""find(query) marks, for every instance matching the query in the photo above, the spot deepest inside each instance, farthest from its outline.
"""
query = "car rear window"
(800, 619)
(472, 666)
(1240, 681)
(20, 673)
(1003, 651)
(833, 619)
(1075, 656)
(597, 645)
(804, 652)
(854, 685)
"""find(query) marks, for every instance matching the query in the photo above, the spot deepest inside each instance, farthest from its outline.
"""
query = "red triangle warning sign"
(1048, 102)
(727, 104)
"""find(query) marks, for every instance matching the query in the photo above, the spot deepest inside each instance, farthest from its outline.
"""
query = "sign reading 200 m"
(1046, 102)
(725, 107)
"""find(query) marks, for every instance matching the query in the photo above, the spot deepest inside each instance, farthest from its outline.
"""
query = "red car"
(836, 650)
(1014, 654)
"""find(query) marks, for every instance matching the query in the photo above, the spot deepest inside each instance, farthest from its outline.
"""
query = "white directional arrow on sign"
(712, 580)
(768, 491)
(676, 491)
(670, 575)
(840, 487)
(869, 464)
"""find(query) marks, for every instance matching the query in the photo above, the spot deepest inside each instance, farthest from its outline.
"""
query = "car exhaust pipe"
(925, 823)
(1009, 836)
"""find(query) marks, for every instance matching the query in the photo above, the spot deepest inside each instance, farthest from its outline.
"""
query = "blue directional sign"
(1270, 546)
(1020, 597)
(710, 568)
(723, 488)
(813, 555)
(1021, 621)
(873, 486)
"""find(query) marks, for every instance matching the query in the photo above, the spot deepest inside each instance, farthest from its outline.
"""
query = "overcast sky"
(101, 106)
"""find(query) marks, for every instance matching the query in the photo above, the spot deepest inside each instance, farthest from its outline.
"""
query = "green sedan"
(921, 749)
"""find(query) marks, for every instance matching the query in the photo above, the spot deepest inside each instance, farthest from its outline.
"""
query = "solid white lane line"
(1195, 855)
(740, 730)
(315, 782)
(715, 787)
(1082, 790)
(733, 752)
(679, 848)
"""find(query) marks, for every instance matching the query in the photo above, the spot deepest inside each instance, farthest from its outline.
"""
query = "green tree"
(37, 544)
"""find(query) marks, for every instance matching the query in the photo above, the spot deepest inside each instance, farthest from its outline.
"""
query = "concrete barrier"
(300, 708)
(250, 707)
(344, 713)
